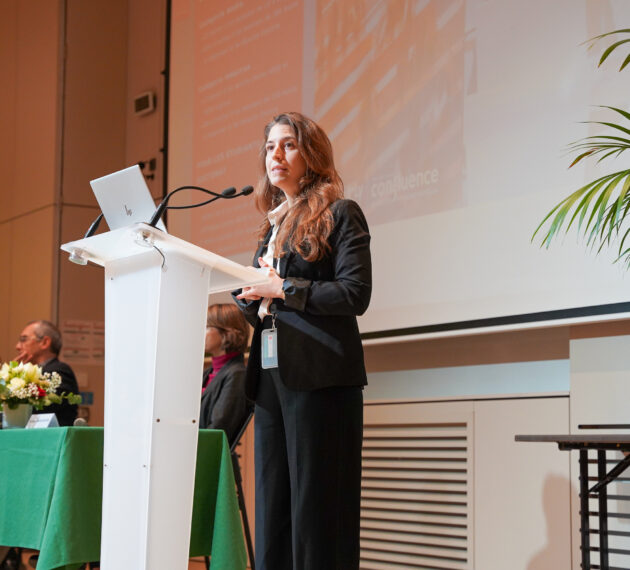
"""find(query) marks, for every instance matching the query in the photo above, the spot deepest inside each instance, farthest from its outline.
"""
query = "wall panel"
(145, 65)
(523, 491)
(36, 105)
(8, 64)
(5, 290)
(31, 270)
(95, 95)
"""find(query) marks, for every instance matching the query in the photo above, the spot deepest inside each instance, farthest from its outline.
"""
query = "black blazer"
(223, 403)
(66, 413)
(318, 337)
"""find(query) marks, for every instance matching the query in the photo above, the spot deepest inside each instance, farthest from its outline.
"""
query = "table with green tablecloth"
(51, 483)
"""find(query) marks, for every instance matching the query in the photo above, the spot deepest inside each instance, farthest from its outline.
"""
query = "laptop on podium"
(125, 198)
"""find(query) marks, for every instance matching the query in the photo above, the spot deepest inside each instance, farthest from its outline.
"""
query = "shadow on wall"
(553, 555)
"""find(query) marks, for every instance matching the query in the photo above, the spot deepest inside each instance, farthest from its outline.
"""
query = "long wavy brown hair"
(308, 223)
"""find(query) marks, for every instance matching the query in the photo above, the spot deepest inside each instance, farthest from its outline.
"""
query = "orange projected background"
(449, 121)
(386, 85)
(247, 68)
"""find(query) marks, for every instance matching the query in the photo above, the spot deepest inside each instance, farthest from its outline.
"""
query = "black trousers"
(308, 476)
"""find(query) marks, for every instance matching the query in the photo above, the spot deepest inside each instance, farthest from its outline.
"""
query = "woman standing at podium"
(306, 371)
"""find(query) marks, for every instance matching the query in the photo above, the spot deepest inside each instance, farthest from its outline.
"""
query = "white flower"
(32, 372)
(4, 371)
(16, 384)
(22, 393)
(55, 380)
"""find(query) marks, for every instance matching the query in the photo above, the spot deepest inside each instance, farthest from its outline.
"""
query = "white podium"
(156, 298)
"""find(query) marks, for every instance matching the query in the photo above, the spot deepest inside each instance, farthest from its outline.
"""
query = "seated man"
(223, 401)
(40, 343)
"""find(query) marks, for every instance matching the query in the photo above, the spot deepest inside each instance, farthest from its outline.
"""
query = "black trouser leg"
(273, 502)
(322, 432)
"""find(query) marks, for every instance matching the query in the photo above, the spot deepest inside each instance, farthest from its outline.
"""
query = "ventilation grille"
(416, 496)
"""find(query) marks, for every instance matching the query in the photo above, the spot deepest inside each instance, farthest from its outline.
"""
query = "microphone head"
(247, 190)
(79, 422)
(92, 229)
(229, 192)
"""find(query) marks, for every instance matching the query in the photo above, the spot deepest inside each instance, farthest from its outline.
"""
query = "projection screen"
(450, 121)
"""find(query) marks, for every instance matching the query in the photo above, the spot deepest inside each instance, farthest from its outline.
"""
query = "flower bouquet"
(25, 383)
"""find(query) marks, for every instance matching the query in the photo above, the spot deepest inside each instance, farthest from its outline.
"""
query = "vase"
(16, 418)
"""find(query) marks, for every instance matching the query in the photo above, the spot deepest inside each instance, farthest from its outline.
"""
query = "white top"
(274, 217)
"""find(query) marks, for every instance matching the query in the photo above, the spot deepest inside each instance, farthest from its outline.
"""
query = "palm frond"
(600, 36)
(598, 210)
(622, 242)
(582, 208)
(620, 111)
(610, 49)
(593, 41)
(601, 206)
(589, 202)
(589, 192)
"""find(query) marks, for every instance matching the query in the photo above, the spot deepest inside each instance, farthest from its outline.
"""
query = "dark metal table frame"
(600, 443)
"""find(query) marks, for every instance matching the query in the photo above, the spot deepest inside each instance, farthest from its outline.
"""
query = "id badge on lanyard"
(269, 344)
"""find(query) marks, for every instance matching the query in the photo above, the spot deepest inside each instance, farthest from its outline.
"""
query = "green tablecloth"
(51, 484)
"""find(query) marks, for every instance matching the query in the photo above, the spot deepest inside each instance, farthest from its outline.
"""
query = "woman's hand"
(272, 288)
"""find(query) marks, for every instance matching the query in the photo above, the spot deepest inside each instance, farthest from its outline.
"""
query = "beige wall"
(30, 40)
(146, 25)
(94, 144)
(94, 121)
(551, 343)
(67, 120)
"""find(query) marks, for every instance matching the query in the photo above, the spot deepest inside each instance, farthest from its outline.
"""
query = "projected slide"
(242, 76)
(389, 86)
(449, 120)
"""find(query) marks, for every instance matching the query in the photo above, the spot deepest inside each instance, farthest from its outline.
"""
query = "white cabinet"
(446, 486)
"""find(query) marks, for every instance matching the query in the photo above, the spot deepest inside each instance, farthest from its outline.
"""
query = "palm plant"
(600, 207)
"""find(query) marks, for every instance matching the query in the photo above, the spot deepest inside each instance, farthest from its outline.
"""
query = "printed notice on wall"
(83, 341)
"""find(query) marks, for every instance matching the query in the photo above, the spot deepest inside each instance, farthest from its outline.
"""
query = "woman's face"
(214, 340)
(285, 165)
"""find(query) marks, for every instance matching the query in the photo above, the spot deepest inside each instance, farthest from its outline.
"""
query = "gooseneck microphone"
(159, 212)
(228, 193)
(92, 229)
(77, 255)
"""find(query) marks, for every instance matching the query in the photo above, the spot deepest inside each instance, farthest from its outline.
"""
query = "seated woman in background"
(223, 401)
